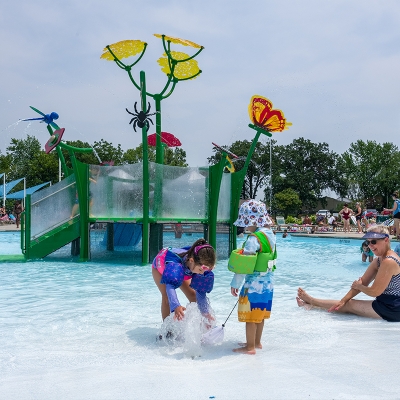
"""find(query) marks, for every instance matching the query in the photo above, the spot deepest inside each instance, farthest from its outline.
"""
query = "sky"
(332, 67)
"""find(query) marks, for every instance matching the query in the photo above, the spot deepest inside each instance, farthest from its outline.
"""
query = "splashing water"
(187, 333)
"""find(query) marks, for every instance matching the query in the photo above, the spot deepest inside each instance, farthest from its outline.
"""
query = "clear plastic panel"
(52, 206)
(117, 191)
(224, 200)
(184, 192)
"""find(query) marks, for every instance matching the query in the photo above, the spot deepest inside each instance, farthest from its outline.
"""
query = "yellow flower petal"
(183, 42)
(123, 49)
(183, 70)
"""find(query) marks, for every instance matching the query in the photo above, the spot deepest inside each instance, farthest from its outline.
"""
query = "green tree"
(309, 169)
(28, 160)
(258, 171)
(87, 158)
(287, 202)
(107, 152)
(373, 171)
(176, 157)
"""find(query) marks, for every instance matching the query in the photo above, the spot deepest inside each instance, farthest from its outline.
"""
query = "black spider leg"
(149, 119)
(134, 125)
(137, 112)
(147, 125)
(131, 121)
(129, 112)
(148, 109)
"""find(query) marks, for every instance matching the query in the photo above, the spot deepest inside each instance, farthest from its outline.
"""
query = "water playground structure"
(136, 200)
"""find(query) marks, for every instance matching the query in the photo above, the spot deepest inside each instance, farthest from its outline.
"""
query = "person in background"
(366, 252)
(2, 212)
(346, 213)
(178, 230)
(396, 212)
(364, 218)
(284, 234)
(358, 215)
(17, 210)
(332, 222)
(307, 220)
(397, 249)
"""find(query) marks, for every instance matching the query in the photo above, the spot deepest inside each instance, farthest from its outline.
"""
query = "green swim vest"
(263, 261)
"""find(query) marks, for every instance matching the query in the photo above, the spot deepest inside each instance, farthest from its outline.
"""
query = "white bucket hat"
(253, 213)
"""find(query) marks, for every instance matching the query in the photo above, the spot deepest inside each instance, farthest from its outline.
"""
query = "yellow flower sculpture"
(183, 42)
(123, 49)
(183, 70)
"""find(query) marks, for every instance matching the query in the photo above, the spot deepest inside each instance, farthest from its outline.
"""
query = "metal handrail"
(46, 197)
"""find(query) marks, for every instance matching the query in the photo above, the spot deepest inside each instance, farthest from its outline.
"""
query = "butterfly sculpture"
(46, 118)
(263, 116)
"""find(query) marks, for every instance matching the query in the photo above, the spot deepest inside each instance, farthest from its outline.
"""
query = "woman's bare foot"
(303, 299)
(302, 294)
(301, 303)
(258, 346)
(244, 350)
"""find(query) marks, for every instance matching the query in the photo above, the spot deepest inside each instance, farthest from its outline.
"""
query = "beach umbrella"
(168, 138)
(216, 334)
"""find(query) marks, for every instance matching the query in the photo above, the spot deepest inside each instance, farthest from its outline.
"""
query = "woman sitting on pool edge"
(384, 272)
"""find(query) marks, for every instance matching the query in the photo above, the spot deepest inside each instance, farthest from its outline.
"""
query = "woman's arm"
(391, 209)
(366, 279)
(385, 273)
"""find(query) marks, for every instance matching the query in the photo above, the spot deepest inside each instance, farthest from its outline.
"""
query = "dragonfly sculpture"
(46, 118)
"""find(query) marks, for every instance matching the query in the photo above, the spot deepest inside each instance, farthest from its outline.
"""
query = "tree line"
(301, 171)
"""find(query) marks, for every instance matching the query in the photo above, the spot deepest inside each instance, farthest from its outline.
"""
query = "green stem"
(146, 190)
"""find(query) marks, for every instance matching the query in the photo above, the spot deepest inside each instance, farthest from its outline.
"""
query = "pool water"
(75, 330)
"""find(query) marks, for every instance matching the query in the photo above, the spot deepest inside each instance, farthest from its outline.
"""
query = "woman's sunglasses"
(373, 241)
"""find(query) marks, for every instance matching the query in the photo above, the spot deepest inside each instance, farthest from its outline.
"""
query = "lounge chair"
(280, 222)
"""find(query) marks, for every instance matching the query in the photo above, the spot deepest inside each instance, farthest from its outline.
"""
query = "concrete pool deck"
(338, 235)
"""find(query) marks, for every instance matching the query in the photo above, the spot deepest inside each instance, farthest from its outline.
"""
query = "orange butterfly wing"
(262, 115)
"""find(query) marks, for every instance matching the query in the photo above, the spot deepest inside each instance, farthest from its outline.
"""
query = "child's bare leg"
(250, 347)
(165, 311)
(364, 257)
(259, 331)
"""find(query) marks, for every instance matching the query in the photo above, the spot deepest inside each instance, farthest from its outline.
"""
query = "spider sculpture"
(141, 118)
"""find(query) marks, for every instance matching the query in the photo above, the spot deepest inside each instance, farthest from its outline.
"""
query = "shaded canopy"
(20, 194)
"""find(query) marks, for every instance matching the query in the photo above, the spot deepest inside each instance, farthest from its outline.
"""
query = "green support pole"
(27, 232)
(237, 184)
(61, 157)
(146, 190)
(159, 146)
(215, 174)
(82, 184)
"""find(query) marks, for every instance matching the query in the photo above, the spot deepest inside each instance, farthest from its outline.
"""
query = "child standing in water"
(255, 299)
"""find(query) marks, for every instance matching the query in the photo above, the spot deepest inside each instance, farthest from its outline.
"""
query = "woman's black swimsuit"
(387, 305)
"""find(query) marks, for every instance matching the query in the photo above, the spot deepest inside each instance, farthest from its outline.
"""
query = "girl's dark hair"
(395, 194)
(204, 256)
(364, 244)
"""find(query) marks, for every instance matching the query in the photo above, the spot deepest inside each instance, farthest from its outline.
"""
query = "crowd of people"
(14, 216)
